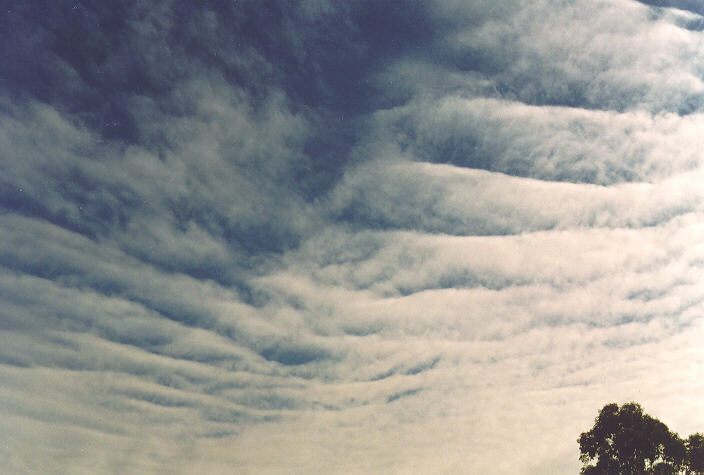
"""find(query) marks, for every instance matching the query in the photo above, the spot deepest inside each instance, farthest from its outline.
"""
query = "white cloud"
(614, 55)
(549, 143)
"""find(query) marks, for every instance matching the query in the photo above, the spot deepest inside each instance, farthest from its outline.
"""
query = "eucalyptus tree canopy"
(624, 440)
(695, 453)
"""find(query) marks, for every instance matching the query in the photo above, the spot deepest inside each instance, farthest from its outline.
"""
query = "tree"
(624, 440)
(695, 453)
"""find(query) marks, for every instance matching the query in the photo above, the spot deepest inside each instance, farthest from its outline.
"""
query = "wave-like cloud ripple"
(326, 236)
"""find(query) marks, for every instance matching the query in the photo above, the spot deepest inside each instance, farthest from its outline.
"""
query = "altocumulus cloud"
(326, 236)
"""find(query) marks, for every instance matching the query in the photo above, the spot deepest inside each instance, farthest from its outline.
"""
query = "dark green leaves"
(624, 440)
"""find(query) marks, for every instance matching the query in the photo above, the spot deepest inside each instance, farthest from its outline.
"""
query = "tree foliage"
(695, 453)
(626, 441)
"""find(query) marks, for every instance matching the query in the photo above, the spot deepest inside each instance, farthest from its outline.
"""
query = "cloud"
(456, 200)
(548, 143)
(582, 55)
(323, 237)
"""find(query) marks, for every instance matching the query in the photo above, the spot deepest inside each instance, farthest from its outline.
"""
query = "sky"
(320, 236)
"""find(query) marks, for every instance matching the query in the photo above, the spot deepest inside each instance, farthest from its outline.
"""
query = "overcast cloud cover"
(328, 236)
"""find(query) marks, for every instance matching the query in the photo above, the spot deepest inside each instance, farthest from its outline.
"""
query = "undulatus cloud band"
(326, 236)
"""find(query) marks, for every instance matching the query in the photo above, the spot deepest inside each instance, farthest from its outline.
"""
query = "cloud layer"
(329, 237)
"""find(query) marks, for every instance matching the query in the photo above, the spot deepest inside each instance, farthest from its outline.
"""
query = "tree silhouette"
(695, 453)
(624, 440)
